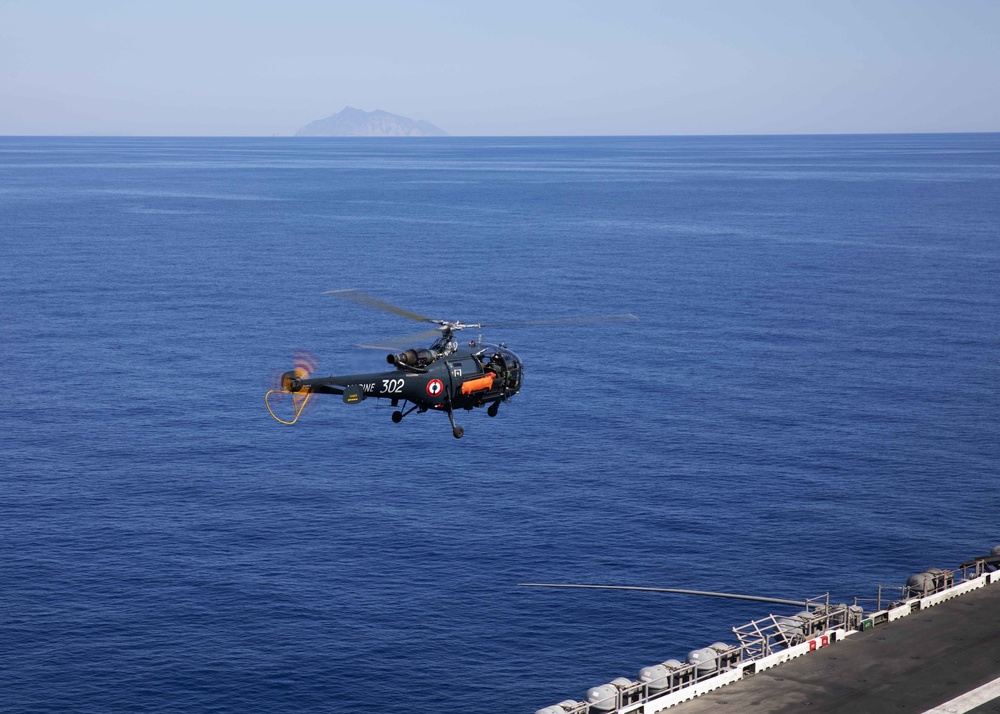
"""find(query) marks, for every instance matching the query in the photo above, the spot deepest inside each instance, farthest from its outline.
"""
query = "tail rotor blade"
(305, 365)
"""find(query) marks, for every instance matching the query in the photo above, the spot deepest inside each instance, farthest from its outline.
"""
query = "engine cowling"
(413, 358)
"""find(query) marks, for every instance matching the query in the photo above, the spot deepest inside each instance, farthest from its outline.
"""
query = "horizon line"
(493, 136)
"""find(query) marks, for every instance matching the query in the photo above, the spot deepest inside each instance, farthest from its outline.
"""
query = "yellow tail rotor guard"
(297, 405)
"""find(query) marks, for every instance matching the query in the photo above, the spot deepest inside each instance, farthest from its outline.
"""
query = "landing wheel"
(397, 417)
(456, 430)
(494, 408)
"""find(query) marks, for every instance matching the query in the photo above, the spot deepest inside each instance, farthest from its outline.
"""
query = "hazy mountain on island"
(356, 122)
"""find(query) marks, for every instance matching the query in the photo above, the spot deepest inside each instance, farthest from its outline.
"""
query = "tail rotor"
(291, 382)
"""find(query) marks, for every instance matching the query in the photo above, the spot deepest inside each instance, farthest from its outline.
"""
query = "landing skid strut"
(397, 416)
(456, 431)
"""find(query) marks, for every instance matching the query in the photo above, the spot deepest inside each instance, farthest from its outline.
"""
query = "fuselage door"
(460, 370)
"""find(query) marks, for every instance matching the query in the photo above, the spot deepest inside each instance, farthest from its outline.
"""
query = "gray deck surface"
(910, 665)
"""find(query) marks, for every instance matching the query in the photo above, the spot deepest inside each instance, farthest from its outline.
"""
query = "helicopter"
(444, 377)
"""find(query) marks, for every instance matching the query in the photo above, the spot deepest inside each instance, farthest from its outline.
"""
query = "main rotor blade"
(734, 596)
(404, 341)
(356, 296)
(624, 317)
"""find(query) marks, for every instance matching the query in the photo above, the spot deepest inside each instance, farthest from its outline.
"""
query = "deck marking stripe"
(970, 700)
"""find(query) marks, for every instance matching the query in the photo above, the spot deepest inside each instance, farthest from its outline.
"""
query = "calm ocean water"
(809, 403)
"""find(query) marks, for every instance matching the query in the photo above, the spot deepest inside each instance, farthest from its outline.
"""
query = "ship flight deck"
(931, 646)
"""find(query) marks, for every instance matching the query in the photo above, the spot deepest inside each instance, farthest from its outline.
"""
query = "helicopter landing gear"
(493, 409)
(456, 430)
(397, 416)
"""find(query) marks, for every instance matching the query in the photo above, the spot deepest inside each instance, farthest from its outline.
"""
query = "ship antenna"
(707, 593)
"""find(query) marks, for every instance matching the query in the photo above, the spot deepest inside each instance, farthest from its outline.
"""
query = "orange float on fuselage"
(478, 384)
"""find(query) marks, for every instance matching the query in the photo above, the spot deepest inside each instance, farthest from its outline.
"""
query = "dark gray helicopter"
(444, 377)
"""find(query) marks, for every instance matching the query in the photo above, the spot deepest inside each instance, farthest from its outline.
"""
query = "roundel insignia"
(434, 387)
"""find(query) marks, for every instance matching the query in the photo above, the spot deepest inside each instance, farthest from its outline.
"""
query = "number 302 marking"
(392, 386)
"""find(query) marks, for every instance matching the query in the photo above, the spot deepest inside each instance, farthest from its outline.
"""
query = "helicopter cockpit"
(505, 364)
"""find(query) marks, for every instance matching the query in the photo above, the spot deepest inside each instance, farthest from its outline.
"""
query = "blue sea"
(809, 403)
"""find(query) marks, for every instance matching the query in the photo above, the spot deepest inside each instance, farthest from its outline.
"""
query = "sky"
(512, 68)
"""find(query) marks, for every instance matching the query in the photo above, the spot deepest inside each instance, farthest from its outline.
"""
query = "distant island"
(357, 122)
